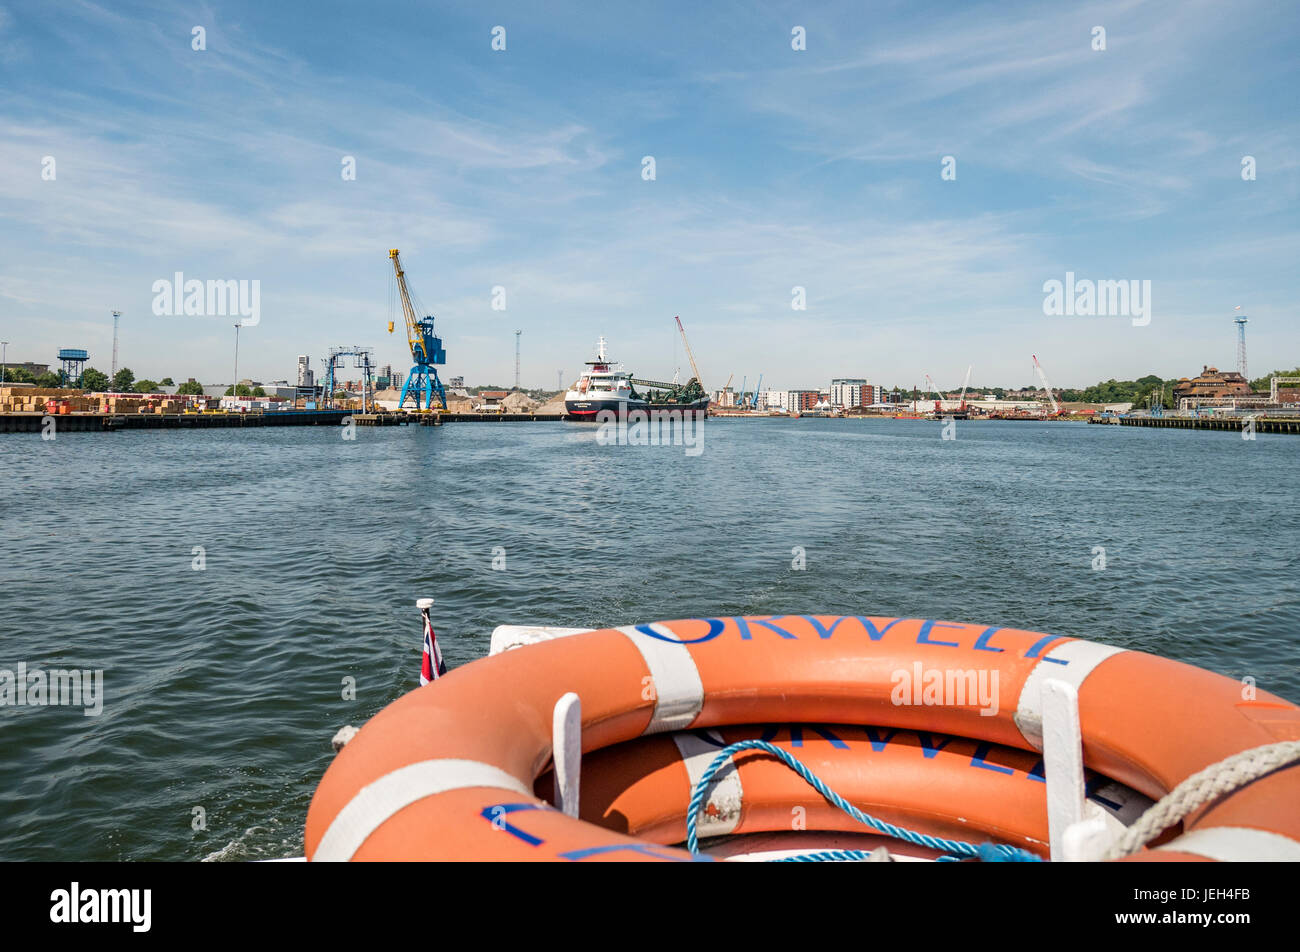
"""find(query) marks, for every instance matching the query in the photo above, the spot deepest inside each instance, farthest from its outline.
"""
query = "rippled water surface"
(224, 686)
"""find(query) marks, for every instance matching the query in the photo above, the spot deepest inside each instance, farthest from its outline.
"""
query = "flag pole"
(431, 666)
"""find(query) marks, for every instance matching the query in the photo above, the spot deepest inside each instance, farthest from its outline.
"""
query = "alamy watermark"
(195, 298)
(945, 687)
(58, 687)
(652, 428)
(84, 905)
(1088, 298)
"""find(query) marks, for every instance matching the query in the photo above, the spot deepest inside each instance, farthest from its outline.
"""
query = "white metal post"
(566, 751)
(1062, 761)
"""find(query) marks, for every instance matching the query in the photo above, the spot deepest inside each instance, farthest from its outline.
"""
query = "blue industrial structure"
(74, 364)
(422, 382)
(363, 362)
(426, 349)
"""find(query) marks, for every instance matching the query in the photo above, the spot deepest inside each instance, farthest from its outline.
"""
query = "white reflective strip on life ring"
(679, 692)
(375, 803)
(1237, 844)
(721, 812)
(1083, 657)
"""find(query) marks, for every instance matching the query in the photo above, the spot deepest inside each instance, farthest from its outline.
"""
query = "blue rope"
(987, 852)
(826, 856)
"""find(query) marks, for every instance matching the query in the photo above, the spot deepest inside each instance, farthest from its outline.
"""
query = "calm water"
(224, 686)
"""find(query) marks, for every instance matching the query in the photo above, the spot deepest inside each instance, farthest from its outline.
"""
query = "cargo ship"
(602, 387)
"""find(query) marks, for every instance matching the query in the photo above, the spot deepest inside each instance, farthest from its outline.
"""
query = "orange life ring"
(448, 771)
(908, 778)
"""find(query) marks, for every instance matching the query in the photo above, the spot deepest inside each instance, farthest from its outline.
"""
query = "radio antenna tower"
(517, 333)
(113, 373)
(1241, 343)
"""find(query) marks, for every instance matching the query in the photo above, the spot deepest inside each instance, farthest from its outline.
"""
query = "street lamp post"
(235, 384)
(4, 358)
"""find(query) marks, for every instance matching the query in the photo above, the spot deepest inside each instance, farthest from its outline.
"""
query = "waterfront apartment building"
(797, 400)
(854, 392)
(388, 378)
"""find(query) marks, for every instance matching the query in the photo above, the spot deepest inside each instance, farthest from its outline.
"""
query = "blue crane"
(426, 348)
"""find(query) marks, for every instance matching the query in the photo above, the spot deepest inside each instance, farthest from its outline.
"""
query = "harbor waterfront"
(245, 592)
(94, 422)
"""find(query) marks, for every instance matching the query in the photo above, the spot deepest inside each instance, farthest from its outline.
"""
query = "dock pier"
(110, 422)
(81, 422)
(1263, 424)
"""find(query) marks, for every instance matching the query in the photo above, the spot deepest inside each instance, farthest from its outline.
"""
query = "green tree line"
(1261, 383)
(96, 381)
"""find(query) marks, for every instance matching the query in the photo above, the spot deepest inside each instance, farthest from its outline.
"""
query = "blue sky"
(774, 168)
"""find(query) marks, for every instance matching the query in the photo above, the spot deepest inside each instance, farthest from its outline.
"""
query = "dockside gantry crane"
(426, 348)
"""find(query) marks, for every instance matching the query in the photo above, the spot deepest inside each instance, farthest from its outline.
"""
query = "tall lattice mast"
(116, 315)
(517, 333)
(1241, 345)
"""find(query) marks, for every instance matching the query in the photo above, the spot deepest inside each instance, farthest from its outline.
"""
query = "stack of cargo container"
(31, 399)
(55, 400)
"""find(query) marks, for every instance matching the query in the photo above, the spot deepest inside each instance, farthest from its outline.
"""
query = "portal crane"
(426, 348)
(1038, 368)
